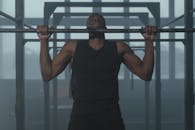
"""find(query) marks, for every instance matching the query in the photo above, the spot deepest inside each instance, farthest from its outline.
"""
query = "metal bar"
(46, 88)
(55, 87)
(122, 14)
(99, 4)
(147, 105)
(55, 101)
(132, 79)
(157, 67)
(7, 16)
(13, 19)
(82, 21)
(171, 46)
(176, 19)
(51, 6)
(126, 36)
(46, 106)
(137, 48)
(173, 21)
(1, 51)
(127, 40)
(188, 90)
(68, 71)
(20, 90)
(59, 17)
(14, 30)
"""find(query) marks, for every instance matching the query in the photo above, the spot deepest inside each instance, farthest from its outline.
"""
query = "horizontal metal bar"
(8, 16)
(133, 47)
(82, 21)
(9, 30)
(176, 19)
(121, 14)
(127, 40)
(100, 4)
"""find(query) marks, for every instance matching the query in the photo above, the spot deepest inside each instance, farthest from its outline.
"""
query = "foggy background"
(132, 90)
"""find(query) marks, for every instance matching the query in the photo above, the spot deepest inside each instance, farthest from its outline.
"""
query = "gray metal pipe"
(173, 30)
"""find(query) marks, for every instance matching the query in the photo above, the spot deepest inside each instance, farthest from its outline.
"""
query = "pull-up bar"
(160, 30)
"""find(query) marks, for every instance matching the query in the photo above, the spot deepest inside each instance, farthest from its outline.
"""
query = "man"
(95, 66)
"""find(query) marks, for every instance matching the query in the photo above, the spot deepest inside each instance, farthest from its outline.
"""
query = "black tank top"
(95, 72)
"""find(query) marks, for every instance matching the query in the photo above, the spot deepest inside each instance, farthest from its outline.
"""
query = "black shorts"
(95, 117)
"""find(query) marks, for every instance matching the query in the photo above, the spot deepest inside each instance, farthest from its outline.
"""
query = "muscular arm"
(142, 68)
(51, 68)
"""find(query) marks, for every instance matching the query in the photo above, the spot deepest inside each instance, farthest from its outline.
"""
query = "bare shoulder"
(123, 47)
(70, 46)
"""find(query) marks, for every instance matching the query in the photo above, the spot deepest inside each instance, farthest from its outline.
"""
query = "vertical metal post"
(189, 97)
(132, 81)
(147, 105)
(1, 50)
(96, 9)
(67, 71)
(147, 97)
(55, 105)
(171, 46)
(55, 84)
(20, 105)
(158, 79)
(46, 88)
(46, 106)
(126, 71)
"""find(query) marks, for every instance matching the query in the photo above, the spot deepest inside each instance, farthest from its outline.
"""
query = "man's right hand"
(43, 33)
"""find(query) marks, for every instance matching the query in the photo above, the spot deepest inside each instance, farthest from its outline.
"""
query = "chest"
(104, 60)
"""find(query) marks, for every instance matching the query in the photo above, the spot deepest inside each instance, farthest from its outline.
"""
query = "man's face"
(94, 24)
(96, 21)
